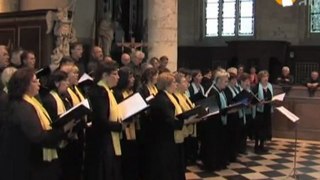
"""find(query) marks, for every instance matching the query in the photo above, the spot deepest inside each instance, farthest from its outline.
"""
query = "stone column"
(9, 6)
(163, 29)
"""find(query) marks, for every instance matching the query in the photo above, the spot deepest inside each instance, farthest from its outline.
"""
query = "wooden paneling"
(305, 107)
(30, 37)
(27, 30)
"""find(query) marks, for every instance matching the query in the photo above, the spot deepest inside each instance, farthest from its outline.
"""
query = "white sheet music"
(149, 98)
(85, 77)
(132, 105)
(211, 114)
(292, 117)
(279, 97)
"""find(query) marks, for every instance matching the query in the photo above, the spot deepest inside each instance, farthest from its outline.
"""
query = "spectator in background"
(253, 76)
(285, 78)
(28, 59)
(313, 83)
(125, 59)
(15, 60)
(76, 51)
(240, 70)
(96, 58)
(154, 61)
(207, 79)
(164, 60)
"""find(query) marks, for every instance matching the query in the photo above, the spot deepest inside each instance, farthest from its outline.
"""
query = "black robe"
(213, 139)
(235, 123)
(101, 162)
(129, 149)
(21, 147)
(3, 107)
(262, 122)
(165, 161)
(71, 155)
(142, 133)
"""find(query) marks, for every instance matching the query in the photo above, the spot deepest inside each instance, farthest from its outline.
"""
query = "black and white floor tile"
(276, 164)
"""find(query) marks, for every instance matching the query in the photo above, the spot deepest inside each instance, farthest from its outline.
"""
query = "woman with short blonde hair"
(262, 115)
(167, 158)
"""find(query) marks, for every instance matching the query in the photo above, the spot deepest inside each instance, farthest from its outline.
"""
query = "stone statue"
(62, 28)
(106, 32)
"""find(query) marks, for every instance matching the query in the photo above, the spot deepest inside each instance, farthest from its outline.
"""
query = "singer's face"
(246, 84)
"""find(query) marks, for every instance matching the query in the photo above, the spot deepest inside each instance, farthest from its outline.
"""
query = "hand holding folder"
(73, 113)
(132, 106)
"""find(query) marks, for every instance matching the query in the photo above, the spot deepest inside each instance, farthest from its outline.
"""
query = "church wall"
(273, 22)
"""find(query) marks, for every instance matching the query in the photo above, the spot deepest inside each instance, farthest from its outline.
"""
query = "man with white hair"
(285, 78)
(135, 66)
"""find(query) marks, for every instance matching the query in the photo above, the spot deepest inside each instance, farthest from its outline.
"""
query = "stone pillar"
(163, 29)
(9, 6)
(42, 4)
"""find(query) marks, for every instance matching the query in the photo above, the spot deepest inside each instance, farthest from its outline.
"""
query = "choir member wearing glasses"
(30, 143)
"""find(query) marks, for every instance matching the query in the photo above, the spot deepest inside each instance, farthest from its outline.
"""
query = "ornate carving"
(62, 28)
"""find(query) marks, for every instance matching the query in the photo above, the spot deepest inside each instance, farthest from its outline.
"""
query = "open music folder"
(75, 112)
(198, 112)
(85, 77)
(132, 106)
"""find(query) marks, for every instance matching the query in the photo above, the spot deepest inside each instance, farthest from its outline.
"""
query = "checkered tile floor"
(276, 164)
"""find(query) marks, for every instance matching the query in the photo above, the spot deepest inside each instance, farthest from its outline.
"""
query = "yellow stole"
(48, 154)
(60, 105)
(114, 116)
(130, 130)
(178, 134)
(75, 99)
(186, 105)
(152, 90)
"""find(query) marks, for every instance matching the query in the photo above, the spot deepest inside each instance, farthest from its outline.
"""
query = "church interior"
(243, 40)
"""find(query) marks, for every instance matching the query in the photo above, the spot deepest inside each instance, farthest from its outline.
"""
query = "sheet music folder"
(85, 80)
(75, 112)
(198, 111)
(209, 103)
(132, 106)
(43, 72)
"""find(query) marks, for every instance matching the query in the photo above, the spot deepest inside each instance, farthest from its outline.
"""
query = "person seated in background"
(164, 60)
(240, 71)
(313, 83)
(253, 76)
(15, 59)
(28, 59)
(125, 59)
(285, 80)
(154, 61)
(207, 79)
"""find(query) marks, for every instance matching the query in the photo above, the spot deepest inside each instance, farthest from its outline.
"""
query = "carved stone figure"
(62, 28)
(106, 32)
